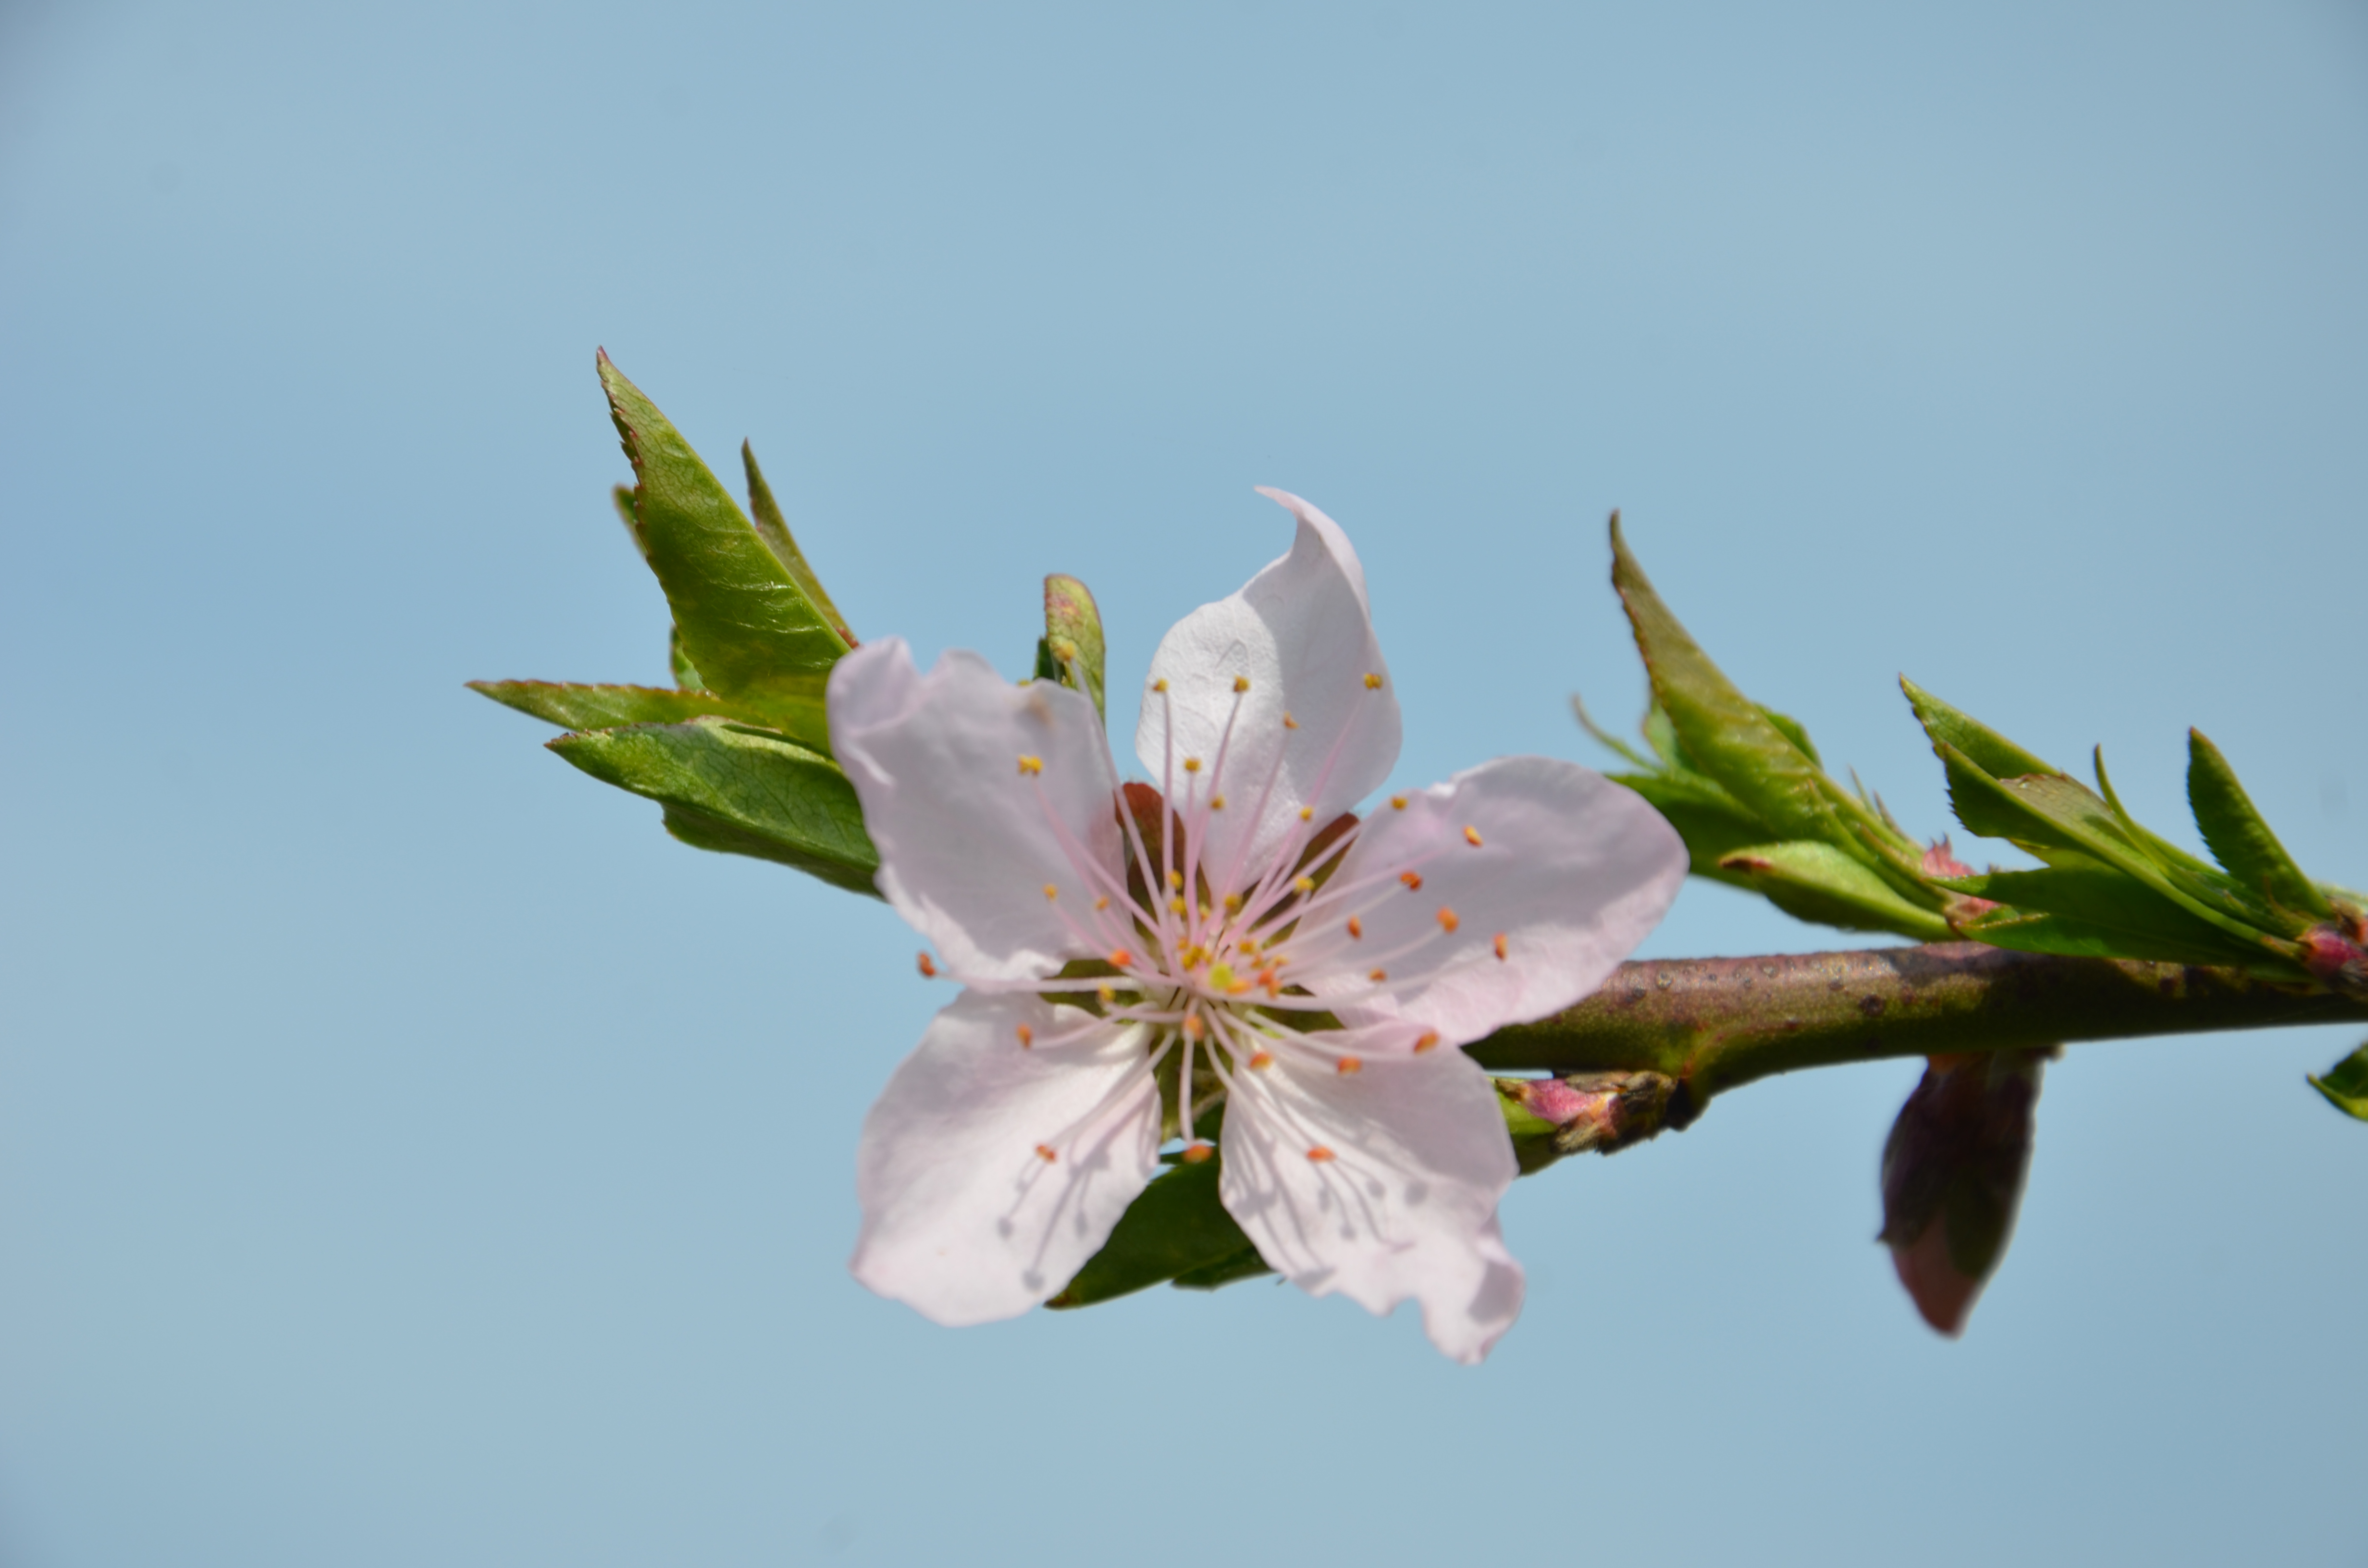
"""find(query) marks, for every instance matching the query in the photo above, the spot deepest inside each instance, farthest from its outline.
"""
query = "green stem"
(1714, 1023)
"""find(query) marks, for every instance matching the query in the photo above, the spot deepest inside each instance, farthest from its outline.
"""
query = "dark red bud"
(1953, 1177)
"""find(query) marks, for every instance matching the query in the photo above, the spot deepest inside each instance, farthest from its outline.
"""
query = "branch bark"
(1715, 1024)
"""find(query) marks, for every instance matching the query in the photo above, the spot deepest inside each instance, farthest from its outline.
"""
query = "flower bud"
(1602, 1111)
(1952, 1174)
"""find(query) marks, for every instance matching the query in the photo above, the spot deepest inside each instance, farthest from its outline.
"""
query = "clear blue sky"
(409, 1155)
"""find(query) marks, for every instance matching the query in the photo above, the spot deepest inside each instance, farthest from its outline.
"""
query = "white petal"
(969, 838)
(1404, 1207)
(1571, 869)
(1299, 632)
(964, 1217)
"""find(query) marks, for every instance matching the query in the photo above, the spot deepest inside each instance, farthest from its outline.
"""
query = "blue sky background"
(409, 1155)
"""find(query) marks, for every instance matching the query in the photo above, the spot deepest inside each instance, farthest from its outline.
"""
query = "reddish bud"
(1953, 1177)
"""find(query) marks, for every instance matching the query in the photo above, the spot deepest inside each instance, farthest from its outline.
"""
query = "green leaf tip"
(1178, 1227)
(738, 790)
(1071, 651)
(2241, 840)
(774, 529)
(751, 630)
(581, 706)
(2345, 1084)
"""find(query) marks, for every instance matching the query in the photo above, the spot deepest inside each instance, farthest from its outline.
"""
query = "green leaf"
(774, 529)
(1725, 733)
(2096, 904)
(1990, 752)
(2239, 839)
(1071, 649)
(1243, 1265)
(1711, 821)
(2345, 1084)
(738, 790)
(1605, 738)
(1792, 731)
(686, 673)
(1819, 883)
(605, 707)
(1176, 1227)
(752, 631)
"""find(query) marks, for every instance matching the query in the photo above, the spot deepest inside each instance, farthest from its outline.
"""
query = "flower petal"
(980, 794)
(1382, 1184)
(1570, 870)
(966, 1218)
(1300, 634)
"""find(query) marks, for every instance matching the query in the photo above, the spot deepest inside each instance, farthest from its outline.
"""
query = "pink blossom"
(1318, 985)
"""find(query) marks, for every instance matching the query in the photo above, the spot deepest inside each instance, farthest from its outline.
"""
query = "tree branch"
(1714, 1023)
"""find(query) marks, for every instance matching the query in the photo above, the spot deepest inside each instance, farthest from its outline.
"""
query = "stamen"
(1397, 803)
(1198, 1154)
(1176, 906)
(1447, 920)
(1241, 683)
(1319, 1153)
(1232, 903)
(1216, 802)
(1351, 1065)
(1029, 767)
(1356, 929)
(1108, 994)
(1027, 1037)
(1289, 722)
(1261, 1060)
(1045, 1153)
(1192, 765)
(1472, 835)
(1372, 683)
(1307, 813)
(1101, 903)
(1377, 975)
(1304, 884)
(1194, 1025)
(1428, 1041)
(1160, 685)
(927, 967)
(1174, 879)
(1121, 959)
(1413, 880)
(1050, 892)
(1499, 945)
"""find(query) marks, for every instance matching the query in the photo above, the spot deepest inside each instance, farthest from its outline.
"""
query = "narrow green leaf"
(1176, 1226)
(774, 529)
(1072, 646)
(738, 790)
(2091, 898)
(575, 706)
(1990, 752)
(1605, 738)
(686, 673)
(2345, 1084)
(2239, 839)
(2030, 931)
(1727, 735)
(1819, 883)
(745, 623)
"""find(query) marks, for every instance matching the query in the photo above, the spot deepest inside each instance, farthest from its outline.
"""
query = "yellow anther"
(1220, 975)
(1289, 722)
(1413, 880)
(1050, 892)
(1216, 802)
(1197, 1153)
(1192, 765)
(1500, 946)
(1307, 813)
(1372, 683)
(1261, 1060)
(1241, 683)
(1351, 1065)
(1428, 1041)
(1246, 946)
(1160, 685)
(1397, 803)
(1195, 1026)
(928, 967)
(1045, 1153)
(1029, 767)
(1267, 982)
(1377, 975)
(1319, 1153)
(1175, 877)
(1447, 920)
(1304, 884)
(1108, 994)
(1176, 906)
(1027, 1037)
(1121, 959)
(1204, 909)
(1102, 903)
(1356, 929)
(1194, 956)
(1232, 903)
(1472, 835)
